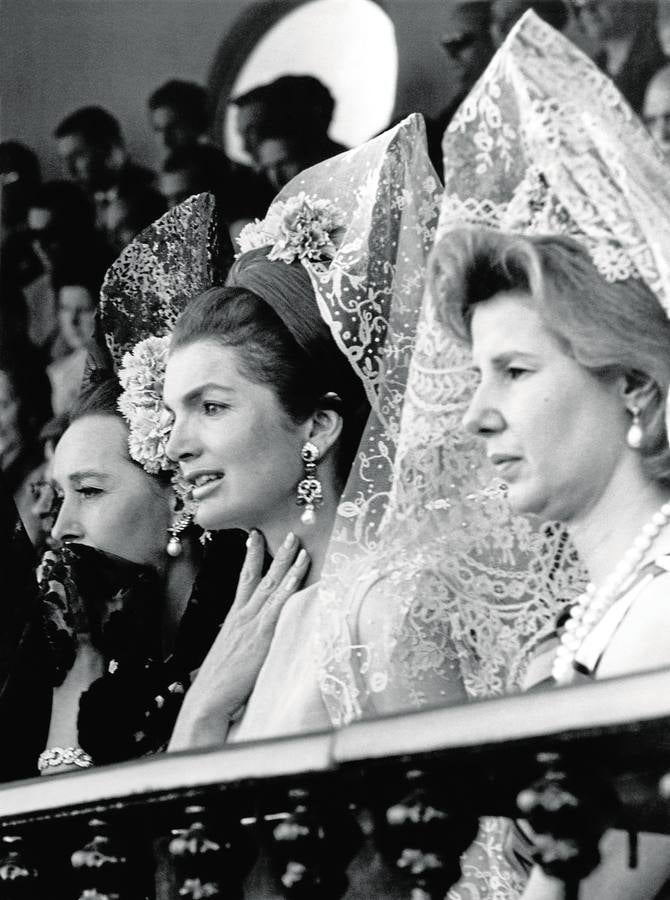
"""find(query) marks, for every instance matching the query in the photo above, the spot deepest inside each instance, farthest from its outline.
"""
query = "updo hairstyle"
(283, 343)
(613, 329)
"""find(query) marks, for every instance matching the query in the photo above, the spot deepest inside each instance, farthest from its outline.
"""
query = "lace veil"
(558, 150)
(453, 592)
(387, 196)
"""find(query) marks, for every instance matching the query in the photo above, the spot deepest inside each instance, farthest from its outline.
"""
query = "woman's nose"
(66, 527)
(180, 443)
(482, 416)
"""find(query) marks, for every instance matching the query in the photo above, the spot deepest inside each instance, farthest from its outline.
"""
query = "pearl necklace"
(592, 605)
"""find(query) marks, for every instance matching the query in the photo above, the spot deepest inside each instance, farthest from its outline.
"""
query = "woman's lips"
(505, 465)
(208, 487)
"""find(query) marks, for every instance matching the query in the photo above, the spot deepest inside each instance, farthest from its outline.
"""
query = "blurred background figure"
(62, 224)
(626, 41)
(293, 111)
(663, 26)
(130, 212)
(506, 13)
(656, 108)
(282, 153)
(306, 103)
(253, 108)
(19, 178)
(179, 114)
(242, 195)
(24, 407)
(94, 155)
(44, 500)
(191, 170)
(76, 282)
(467, 43)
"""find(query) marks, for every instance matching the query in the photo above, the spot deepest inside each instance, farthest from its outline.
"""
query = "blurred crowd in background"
(59, 237)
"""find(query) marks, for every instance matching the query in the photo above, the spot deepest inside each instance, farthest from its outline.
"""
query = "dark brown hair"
(299, 361)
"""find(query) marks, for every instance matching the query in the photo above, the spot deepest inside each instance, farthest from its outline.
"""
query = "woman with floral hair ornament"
(552, 271)
(275, 385)
(131, 599)
(126, 620)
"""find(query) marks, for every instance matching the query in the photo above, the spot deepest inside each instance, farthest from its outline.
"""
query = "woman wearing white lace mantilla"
(275, 385)
(559, 289)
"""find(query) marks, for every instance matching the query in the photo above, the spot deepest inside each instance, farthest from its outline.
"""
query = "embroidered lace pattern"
(454, 590)
(168, 264)
(557, 150)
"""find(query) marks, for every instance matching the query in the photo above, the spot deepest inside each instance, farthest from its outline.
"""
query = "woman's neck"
(603, 533)
(313, 537)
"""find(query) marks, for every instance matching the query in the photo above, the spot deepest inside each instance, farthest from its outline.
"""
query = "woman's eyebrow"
(198, 391)
(500, 360)
(76, 477)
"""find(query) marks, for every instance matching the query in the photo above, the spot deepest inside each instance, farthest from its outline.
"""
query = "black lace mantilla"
(86, 594)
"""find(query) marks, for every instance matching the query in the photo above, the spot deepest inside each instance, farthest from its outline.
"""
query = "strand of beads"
(595, 602)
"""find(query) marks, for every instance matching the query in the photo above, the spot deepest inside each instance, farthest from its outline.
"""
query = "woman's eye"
(88, 492)
(514, 372)
(211, 409)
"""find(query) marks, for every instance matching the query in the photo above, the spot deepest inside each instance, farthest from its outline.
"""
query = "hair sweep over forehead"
(269, 313)
(612, 329)
(100, 397)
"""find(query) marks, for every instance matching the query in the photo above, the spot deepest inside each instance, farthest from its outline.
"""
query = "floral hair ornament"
(300, 228)
(141, 375)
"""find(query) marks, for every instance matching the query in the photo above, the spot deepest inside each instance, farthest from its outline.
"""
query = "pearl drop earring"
(635, 434)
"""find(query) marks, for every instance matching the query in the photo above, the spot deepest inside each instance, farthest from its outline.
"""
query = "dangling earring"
(174, 546)
(635, 434)
(310, 493)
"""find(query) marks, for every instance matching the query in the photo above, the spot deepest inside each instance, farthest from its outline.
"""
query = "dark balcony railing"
(385, 806)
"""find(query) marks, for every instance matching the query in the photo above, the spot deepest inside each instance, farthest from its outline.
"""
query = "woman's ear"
(325, 428)
(637, 390)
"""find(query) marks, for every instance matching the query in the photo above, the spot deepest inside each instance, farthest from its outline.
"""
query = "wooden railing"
(386, 805)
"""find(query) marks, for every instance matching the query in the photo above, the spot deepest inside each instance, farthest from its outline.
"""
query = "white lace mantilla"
(558, 150)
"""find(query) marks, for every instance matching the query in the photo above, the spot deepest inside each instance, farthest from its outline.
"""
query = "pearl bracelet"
(64, 756)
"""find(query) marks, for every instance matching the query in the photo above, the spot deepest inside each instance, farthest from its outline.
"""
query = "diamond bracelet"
(64, 756)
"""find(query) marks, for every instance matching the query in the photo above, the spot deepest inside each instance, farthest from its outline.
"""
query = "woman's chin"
(209, 518)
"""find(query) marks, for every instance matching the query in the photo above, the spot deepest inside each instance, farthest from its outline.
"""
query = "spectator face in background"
(656, 109)
(177, 186)
(250, 117)
(603, 20)
(90, 144)
(129, 213)
(467, 41)
(46, 240)
(76, 315)
(179, 114)
(87, 164)
(172, 131)
(279, 160)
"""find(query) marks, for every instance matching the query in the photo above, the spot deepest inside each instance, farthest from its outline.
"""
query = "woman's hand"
(228, 674)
